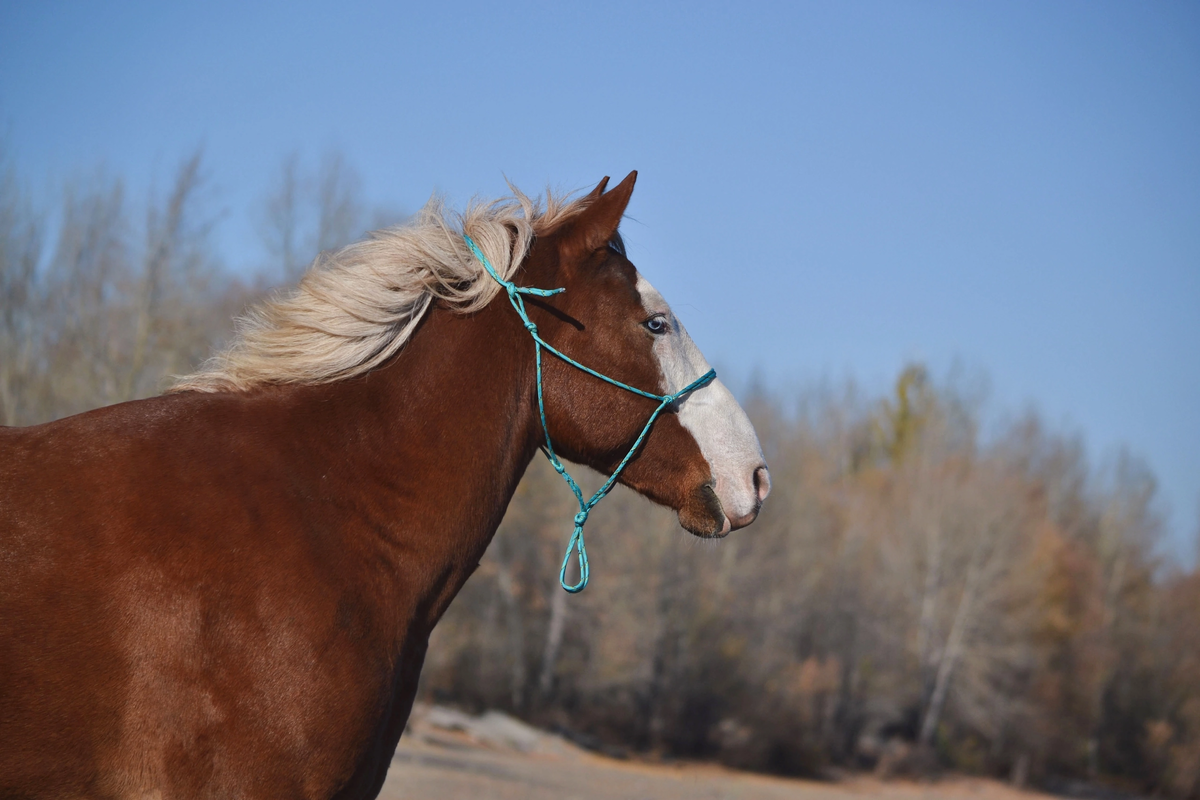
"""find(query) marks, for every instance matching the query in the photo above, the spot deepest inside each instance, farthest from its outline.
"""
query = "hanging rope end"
(576, 544)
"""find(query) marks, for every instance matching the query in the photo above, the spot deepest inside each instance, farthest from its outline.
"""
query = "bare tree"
(281, 220)
(175, 255)
(339, 203)
(20, 253)
(305, 214)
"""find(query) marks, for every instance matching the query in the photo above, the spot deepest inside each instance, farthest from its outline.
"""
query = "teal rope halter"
(664, 400)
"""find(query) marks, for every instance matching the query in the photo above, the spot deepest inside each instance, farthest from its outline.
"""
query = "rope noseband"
(664, 400)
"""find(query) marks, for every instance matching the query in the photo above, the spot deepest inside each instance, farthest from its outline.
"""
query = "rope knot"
(529, 326)
(580, 519)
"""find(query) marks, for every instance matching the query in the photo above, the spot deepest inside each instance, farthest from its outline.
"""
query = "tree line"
(916, 595)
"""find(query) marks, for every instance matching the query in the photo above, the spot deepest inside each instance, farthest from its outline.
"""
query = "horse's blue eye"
(656, 325)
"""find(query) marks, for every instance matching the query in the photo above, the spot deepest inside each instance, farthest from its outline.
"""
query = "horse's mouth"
(704, 516)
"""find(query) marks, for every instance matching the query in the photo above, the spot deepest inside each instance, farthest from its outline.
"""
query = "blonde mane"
(356, 307)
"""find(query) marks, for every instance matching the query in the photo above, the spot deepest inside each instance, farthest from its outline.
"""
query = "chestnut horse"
(227, 591)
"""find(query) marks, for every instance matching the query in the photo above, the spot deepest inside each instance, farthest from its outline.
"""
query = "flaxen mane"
(355, 308)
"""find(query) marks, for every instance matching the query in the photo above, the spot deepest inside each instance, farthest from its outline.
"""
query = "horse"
(228, 590)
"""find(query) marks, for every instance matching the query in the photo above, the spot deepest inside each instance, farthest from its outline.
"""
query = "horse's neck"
(433, 445)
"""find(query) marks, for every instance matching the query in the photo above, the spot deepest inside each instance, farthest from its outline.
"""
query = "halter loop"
(576, 544)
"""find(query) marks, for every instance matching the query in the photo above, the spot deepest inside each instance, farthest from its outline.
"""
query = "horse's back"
(56, 624)
(148, 598)
(63, 671)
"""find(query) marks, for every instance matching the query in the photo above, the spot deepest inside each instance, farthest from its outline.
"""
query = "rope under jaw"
(576, 543)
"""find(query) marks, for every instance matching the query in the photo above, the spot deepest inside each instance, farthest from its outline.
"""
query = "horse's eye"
(656, 324)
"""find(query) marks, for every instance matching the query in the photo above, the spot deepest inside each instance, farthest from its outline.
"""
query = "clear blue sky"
(827, 189)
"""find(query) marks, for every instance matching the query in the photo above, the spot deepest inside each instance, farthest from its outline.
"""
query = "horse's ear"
(594, 194)
(595, 226)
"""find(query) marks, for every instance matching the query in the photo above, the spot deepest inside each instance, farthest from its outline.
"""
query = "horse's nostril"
(762, 483)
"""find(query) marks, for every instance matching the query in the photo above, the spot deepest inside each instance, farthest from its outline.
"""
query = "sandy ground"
(451, 759)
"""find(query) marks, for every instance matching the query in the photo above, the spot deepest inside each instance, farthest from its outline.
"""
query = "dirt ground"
(496, 758)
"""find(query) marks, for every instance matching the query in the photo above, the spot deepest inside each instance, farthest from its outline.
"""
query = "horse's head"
(702, 458)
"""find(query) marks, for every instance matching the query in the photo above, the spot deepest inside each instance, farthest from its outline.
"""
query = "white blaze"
(713, 417)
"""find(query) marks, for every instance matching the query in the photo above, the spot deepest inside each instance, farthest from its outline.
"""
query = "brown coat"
(231, 594)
